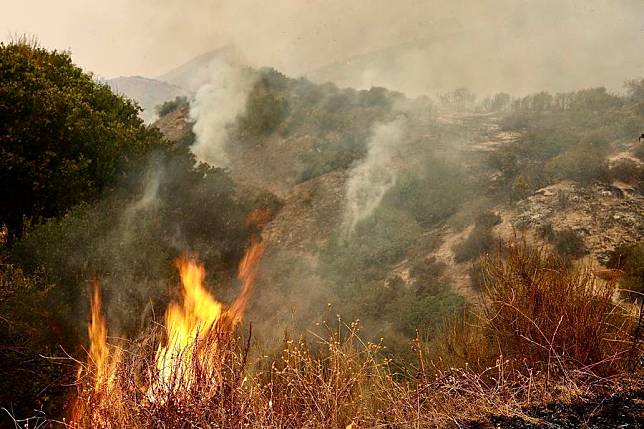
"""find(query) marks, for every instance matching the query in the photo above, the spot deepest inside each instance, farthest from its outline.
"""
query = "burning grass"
(544, 331)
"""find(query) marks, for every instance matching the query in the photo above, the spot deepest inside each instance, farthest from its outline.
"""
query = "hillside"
(603, 213)
(148, 93)
(278, 253)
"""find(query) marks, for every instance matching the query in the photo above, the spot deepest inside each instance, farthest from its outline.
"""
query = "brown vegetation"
(544, 331)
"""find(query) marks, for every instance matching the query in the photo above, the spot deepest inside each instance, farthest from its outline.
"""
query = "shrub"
(433, 195)
(547, 232)
(28, 380)
(171, 105)
(569, 243)
(546, 332)
(639, 151)
(583, 164)
(539, 308)
(327, 156)
(64, 137)
(630, 260)
(626, 170)
(480, 240)
(266, 107)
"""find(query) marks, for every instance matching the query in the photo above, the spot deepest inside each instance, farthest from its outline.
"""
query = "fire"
(101, 364)
(186, 324)
(97, 330)
(246, 274)
(194, 326)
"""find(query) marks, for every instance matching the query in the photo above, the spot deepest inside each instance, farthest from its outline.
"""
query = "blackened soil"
(623, 410)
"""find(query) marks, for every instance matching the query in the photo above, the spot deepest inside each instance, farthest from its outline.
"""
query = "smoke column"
(216, 105)
(373, 177)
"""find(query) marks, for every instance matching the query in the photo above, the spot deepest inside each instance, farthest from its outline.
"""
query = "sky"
(416, 46)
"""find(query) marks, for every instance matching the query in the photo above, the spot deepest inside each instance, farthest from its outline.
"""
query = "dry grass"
(544, 331)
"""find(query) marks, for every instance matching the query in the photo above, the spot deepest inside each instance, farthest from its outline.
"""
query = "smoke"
(374, 176)
(216, 105)
(150, 198)
(418, 47)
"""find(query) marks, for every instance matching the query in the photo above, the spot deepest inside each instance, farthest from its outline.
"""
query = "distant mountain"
(196, 72)
(149, 93)
(447, 60)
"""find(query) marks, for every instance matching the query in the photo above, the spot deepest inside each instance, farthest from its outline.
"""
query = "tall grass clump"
(545, 330)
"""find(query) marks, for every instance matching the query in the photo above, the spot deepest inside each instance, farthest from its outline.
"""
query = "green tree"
(64, 137)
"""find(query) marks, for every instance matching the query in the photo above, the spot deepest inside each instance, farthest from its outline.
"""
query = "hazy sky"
(433, 44)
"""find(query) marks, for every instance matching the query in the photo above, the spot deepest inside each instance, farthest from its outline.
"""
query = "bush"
(433, 195)
(583, 164)
(327, 156)
(539, 308)
(630, 260)
(626, 170)
(639, 151)
(64, 137)
(266, 107)
(171, 105)
(569, 243)
(547, 232)
(480, 240)
(29, 380)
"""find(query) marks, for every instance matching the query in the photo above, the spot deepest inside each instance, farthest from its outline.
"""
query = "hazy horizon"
(413, 46)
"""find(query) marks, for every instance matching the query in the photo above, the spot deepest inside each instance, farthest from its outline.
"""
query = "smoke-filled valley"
(265, 250)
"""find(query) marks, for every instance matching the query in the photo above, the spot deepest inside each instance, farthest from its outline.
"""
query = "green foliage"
(507, 162)
(567, 136)
(266, 107)
(630, 260)
(569, 243)
(128, 239)
(635, 88)
(171, 105)
(592, 99)
(583, 164)
(328, 155)
(425, 313)
(376, 243)
(64, 137)
(480, 240)
(25, 310)
(459, 99)
(497, 103)
(432, 195)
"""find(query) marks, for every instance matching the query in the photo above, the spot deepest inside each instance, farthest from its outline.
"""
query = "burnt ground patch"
(623, 410)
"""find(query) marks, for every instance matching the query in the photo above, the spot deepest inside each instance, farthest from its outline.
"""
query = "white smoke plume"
(373, 177)
(216, 105)
(149, 200)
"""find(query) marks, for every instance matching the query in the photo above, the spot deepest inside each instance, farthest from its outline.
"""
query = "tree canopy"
(64, 136)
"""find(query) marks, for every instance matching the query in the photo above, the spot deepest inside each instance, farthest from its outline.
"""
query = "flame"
(246, 274)
(186, 323)
(97, 331)
(194, 325)
(101, 364)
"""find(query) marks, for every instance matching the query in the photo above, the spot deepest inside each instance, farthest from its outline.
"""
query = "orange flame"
(97, 330)
(100, 364)
(198, 319)
(193, 328)
(246, 274)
